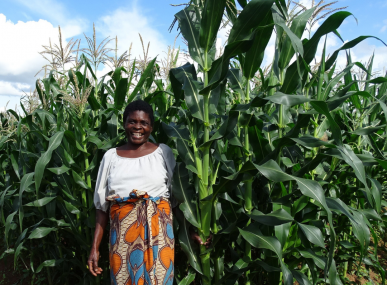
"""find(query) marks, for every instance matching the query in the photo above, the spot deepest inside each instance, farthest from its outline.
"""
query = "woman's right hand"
(92, 262)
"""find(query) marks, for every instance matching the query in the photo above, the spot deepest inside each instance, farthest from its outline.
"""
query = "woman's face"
(138, 127)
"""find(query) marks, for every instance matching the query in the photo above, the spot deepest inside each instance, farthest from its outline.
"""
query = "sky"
(26, 25)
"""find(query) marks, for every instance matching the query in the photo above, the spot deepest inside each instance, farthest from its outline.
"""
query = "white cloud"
(10, 94)
(10, 102)
(20, 45)
(127, 24)
(56, 13)
(384, 28)
(22, 42)
(363, 52)
(11, 88)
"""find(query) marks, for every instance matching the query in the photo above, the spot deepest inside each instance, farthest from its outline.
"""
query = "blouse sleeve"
(101, 186)
(170, 161)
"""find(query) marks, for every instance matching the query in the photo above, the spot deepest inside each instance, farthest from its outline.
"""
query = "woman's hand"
(100, 225)
(196, 238)
(92, 262)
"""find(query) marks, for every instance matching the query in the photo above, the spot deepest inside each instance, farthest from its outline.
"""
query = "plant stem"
(206, 152)
(280, 120)
(205, 230)
(206, 155)
(85, 192)
(248, 184)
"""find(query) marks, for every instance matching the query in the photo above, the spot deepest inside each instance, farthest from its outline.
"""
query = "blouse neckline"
(123, 157)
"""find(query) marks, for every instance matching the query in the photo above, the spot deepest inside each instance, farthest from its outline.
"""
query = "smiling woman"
(141, 236)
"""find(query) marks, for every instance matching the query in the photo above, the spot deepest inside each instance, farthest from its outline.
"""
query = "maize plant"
(263, 165)
(283, 167)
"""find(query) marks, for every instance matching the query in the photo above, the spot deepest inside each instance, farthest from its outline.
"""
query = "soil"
(372, 275)
(10, 276)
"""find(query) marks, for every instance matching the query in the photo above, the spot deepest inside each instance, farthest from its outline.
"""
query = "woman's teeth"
(138, 135)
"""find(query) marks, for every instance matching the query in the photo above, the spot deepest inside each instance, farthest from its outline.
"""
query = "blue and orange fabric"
(142, 244)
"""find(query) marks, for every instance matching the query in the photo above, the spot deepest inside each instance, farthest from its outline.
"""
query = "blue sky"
(26, 25)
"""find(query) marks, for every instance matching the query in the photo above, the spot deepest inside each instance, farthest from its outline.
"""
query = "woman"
(134, 180)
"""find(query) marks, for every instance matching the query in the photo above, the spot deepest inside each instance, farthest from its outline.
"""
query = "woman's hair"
(139, 105)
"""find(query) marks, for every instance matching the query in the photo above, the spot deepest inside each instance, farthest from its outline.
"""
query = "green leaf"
(45, 158)
(313, 234)
(185, 243)
(318, 260)
(40, 202)
(250, 18)
(14, 161)
(120, 93)
(212, 15)
(253, 235)
(78, 180)
(333, 275)
(275, 218)
(376, 191)
(70, 137)
(189, 26)
(370, 214)
(299, 204)
(335, 204)
(307, 187)
(59, 170)
(40, 232)
(192, 97)
(292, 77)
(24, 184)
(226, 128)
(188, 279)
(186, 155)
(287, 100)
(347, 45)
(298, 28)
(71, 208)
(219, 67)
(144, 76)
(367, 130)
(17, 253)
(184, 193)
(322, 108)
(254, 56)
(235, 79)
(294, 40)
(181, 133)
(177, 76)
(310, 141)
(282, 233)
(8, 223)
(59, 223)
(300, 277)
(48, 263)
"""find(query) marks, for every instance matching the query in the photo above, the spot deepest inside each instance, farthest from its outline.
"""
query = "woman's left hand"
(196, 238)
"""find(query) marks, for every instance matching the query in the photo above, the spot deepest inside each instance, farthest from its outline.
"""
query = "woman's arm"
(100, 225)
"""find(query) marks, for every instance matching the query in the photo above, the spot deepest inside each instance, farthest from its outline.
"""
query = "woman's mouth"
(137, 135)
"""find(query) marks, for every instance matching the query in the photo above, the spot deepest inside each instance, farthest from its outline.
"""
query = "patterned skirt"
(142, 243)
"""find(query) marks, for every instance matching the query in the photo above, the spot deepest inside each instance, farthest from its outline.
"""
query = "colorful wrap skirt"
(142, 243)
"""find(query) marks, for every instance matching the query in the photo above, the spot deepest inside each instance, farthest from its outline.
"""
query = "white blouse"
(120, 175)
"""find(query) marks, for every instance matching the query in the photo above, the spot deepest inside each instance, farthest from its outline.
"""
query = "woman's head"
(138, 121)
